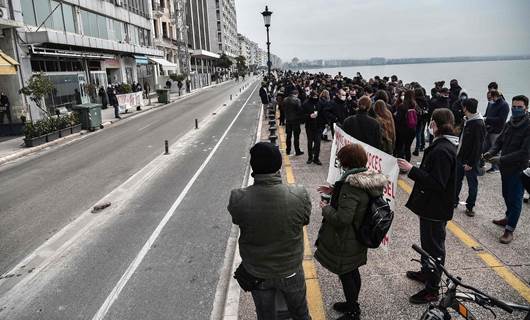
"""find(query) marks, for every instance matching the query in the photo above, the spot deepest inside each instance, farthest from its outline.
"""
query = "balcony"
(164, 42)
(158, 10)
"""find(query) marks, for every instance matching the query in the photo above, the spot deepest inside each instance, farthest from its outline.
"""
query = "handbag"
(246, 281)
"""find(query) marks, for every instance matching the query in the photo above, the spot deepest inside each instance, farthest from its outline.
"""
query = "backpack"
(412, 118)
(376, 222)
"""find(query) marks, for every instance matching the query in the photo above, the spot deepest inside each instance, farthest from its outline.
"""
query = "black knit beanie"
(265, 158)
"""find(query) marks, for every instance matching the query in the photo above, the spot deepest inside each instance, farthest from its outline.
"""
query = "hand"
(325, 189)
(467, 168)
(404, 165)
(323, 204)
(494, 160)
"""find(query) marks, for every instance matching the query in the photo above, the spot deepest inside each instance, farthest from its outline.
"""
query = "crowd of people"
(456, 141)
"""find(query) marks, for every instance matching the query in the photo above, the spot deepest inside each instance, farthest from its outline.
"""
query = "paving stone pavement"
(385, 289)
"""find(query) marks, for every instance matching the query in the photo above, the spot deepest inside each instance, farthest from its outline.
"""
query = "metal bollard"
(272, 131)
(196, 124)
(230, 97)
(166, 147)
(273, 139)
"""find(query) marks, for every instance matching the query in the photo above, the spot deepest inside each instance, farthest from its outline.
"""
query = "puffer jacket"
(271, 217)
(338, 249)
(513, 145)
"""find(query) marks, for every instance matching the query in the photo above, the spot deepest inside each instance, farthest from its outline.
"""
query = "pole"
(269, 63)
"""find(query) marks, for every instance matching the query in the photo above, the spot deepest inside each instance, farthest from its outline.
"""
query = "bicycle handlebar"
(492, 301)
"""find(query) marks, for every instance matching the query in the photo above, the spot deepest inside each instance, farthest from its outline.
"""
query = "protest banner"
(377, 160)
(130, 101)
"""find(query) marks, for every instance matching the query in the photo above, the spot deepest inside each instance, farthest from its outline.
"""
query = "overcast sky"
(357, 29)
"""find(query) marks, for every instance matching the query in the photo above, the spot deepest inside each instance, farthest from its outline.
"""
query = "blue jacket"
(496, 115)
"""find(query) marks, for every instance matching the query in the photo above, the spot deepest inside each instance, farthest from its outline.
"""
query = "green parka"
(337, 247)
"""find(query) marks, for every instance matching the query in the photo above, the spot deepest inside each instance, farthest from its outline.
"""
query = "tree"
(38, 87)
(295, 61)
(241, 65)
(224, 62)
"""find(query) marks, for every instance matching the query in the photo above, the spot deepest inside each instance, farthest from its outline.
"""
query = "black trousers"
(292, 129)
(314, 137)
(432, 237)
(351, 285)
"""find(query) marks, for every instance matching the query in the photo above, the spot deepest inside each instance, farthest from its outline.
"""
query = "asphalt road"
(178, 276)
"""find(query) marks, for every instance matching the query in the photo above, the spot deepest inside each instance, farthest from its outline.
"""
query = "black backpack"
(376, 222)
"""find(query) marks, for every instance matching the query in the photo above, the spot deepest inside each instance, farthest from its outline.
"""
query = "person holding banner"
(338, 249)
(432, 199)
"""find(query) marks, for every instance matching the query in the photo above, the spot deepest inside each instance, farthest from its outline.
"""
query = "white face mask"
(431, 130)
(343, 98)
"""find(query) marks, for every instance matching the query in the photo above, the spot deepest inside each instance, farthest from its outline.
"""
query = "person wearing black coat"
(113, 101)
(314, 125)
(104, 99)
(264, 95)
(363, 127)
(469, 153)
(454, 91)
(5, 108)
(495, 118)
(511, 153)
(432, 199)
(293, 118)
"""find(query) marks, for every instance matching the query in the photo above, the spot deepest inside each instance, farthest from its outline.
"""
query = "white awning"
(164, 63)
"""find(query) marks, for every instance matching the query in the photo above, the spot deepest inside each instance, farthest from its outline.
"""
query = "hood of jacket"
(453, 139)
(474, 117)
(370, 180)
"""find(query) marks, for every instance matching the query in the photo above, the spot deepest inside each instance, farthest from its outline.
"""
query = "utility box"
(163, 95)
(89, 115)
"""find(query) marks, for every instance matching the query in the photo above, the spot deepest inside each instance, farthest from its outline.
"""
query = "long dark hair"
(445, 121)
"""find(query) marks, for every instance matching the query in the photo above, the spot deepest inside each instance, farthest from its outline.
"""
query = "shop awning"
(8, 65)
(164, 63)
(141, 60)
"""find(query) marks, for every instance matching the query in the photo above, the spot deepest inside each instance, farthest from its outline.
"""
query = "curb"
(19, 154)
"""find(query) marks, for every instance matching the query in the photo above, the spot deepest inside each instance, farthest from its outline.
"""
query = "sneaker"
(507, 237)
(525, 200)
(424, 296)
(342, 307)
(470, 212)
(417, 276)
(492, 170)
(501, 222)
(309, 161)
(416, 153)
(317, 162)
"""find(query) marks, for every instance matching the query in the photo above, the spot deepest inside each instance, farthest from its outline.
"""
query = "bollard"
(166, 147)
(273, 139)
(230, 97)
(272, 122)
(272, 117)
(272, 131)
(196, 124)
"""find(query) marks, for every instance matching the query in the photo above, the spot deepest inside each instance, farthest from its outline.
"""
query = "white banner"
(130, 101)
(377, 160)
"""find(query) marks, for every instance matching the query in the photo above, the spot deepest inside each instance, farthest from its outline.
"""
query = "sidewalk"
(14, 148)
(385, 289)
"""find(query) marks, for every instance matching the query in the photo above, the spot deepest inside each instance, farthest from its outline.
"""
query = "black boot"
(350, 312)
(309, 160)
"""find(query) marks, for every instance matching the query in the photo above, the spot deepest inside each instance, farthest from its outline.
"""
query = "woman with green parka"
(338, 249)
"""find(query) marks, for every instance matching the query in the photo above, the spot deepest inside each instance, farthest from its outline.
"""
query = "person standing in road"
(293, 115)
(432, 199)
(271, 217)
(314, 124)
(511, 153)
(495, 118)
(363, 127)
(338, 249)
(469, 153)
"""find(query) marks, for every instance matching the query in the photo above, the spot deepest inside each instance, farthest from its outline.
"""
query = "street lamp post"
(267, 19)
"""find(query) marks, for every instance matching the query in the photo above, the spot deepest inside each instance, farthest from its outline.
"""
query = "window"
(57, 16)
(102, 27)
(156, 28)
(42, 8)
(28, 12)
(69, 21)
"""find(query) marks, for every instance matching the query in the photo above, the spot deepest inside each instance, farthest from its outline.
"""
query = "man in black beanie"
(271, 217)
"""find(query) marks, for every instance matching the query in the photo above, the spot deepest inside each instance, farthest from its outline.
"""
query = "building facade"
(223, 31)
(85, 45)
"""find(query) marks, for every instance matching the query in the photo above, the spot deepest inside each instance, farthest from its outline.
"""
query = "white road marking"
(145, 127)
(111, 298)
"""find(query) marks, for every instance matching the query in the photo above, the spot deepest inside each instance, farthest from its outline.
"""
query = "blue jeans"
(420, 137)
(293, 290)
(512, 192)
(472, 183)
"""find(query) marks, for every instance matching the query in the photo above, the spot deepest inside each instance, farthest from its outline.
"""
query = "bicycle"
(453, 298)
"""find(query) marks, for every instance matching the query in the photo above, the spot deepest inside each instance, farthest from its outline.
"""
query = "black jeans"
(351, 285)
(472, 183)
(292, 129)
(432, 237)
(314, 137)
(403, 145)
(294, 292)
